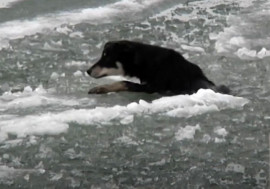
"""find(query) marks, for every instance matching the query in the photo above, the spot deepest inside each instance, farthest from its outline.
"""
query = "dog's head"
(111, 61)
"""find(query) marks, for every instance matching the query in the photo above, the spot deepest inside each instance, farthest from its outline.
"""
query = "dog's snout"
(95, 71)
(89, 71)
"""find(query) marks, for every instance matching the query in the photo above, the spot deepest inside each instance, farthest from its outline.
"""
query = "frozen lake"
(54, 135)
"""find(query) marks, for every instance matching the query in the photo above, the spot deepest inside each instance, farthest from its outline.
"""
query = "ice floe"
(58, 122)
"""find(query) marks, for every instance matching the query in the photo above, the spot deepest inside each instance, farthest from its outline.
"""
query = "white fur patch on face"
(99, 71)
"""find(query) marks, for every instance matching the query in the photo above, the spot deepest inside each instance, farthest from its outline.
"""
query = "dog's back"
(159, 69)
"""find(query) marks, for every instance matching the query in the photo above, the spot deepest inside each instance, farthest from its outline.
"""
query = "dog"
(160, 70)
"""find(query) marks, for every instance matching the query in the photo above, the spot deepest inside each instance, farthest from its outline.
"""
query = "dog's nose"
(89, 71)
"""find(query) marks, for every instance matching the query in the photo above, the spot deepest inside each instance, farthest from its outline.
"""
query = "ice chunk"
(187, 132)
(78, 73)
(76, 35)
(126, 140)
(221, 131)
(127, 120)
(76, 64)
(28, 89)
(192, 48)
(63, 29)
(204, 100)
(246, 53)
(234, 167)
(263, 53)
(54, 76)
(238, 41)
(56, 176)
(219, 140)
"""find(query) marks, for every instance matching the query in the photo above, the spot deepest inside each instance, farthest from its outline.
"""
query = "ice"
(32, 98)
(263, 53)
(213, 3)
(221, 131)
(187, 132)
(8, 3)
(126, 140)
(261, 178)
(158, 163)
(199, 5)
(78, 73)
(234, 167)
(127, 120)
(20, 28)
(247, 34)
(193, 49)
(63, 29)
(203, 101)
(7, 173)
(54, 76)
(76, 64)
(219, 140)
(31, 125)
(238, 41)
(56, 176)
(76, 35)
(245, 53)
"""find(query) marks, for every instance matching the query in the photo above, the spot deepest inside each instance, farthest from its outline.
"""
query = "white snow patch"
(187, 132)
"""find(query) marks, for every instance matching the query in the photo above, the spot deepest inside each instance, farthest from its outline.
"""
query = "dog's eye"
(104, 54)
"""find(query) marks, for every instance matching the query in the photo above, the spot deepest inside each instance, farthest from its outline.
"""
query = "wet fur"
(159, 69)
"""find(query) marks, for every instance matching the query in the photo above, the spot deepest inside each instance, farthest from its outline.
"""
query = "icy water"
(54, 135)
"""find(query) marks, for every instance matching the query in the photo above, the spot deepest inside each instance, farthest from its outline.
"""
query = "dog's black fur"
(159, 69)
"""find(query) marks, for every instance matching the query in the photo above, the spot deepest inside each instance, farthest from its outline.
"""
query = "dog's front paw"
(98, 90)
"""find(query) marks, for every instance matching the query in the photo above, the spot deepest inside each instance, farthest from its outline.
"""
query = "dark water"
(54, 135)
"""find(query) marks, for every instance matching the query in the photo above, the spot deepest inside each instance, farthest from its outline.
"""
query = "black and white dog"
(159, 69)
